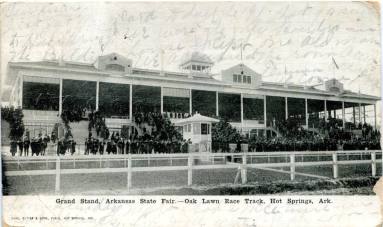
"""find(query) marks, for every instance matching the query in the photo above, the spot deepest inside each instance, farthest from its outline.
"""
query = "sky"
(296, 42)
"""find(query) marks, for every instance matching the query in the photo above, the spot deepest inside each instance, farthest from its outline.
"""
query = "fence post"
(292, 166)
(58, 169)
(190, 169)
(244, 169)
(373, 163)
(129, 178)
(335, 164)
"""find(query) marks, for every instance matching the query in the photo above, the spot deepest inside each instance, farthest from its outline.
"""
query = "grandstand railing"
(130, 163)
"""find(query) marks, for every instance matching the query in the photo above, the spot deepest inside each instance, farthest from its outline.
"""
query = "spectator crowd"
(37, 145)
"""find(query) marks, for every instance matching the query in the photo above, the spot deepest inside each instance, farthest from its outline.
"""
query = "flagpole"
(336, 65)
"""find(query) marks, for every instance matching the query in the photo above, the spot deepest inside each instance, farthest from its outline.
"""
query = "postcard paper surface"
(191, 114)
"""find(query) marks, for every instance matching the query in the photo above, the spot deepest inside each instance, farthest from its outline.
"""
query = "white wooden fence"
(194, 161)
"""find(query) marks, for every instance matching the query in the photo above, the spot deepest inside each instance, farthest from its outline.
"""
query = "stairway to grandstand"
(276, 131)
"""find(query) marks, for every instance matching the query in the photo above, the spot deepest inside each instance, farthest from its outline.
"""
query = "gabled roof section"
(243, 67)
(113, 62)
(196, 57)
(197, 118)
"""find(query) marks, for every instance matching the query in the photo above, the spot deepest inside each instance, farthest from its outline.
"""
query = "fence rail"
(130, 163)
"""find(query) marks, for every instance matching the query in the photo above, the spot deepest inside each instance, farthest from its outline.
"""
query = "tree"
(68, 116)
(224, 133)
(165, 129)
(15, 119)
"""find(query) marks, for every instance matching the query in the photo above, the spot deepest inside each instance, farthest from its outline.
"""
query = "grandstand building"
(118, 90)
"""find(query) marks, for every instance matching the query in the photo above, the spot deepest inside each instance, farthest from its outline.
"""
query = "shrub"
(15, 119)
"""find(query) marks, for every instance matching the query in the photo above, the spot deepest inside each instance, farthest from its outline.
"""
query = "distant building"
(113, 86)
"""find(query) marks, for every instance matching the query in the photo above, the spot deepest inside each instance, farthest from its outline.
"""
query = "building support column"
(306, 114)
(241, 112)
(21, 91)
(216, 104)
(286, 109)
(162, 100)
(360, 116)
(375, 120)
(61, 97)
(325, 111)
(190, 102)
(353, 115)
(97, 94)
(131, 102)
(364, 114)
(264, 112)
(343, 116)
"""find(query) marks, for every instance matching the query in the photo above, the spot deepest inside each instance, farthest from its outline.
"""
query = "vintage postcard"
(191, 113)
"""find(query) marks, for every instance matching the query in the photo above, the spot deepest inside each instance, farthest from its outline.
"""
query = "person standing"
(73, 148)
(13, 148)
(95, 145)
(33, 145)
(101, 147)
(127, 149)
(21, 146)
(26, 145)
(109, 147)
(120, 145)
(114, 148)
(53, 137)
(45, 142)
(40, 145)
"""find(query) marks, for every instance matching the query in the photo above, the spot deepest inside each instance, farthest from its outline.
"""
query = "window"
(176, 104)
(204, 129)
(146, 99)
(244, 79)
(241, 79)
(253, 109)
(189, 128)
(185, 128)
(79, 94)
(204, 102)
(40, 96)
(230, 106)
(114, 99)
(198, 67)
(193, 67)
